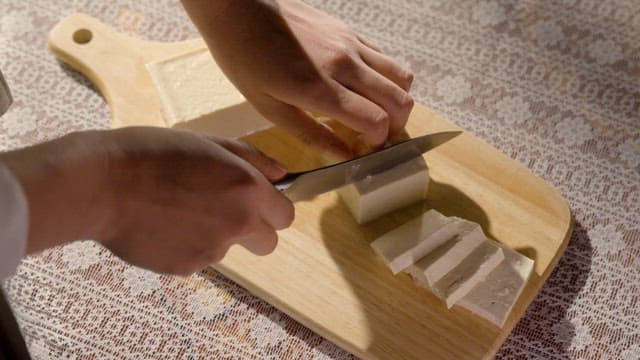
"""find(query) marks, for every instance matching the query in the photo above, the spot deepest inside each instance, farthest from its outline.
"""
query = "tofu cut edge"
(436, 264)
(404, 245)
(494, 298)
(379, 194)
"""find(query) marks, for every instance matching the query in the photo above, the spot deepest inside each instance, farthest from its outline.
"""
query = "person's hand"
(288, 59)
(166, 200)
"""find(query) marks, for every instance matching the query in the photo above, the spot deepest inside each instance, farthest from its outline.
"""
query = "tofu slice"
(494, 298)
(468, 273)
(436, 264)
(385, 192)
(195, 94)
(404, 245)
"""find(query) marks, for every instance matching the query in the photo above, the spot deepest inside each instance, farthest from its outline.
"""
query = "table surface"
(555, 85)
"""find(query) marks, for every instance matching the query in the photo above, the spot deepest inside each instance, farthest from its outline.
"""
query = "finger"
(268, 166)
(368, 43)
(354, 111)
(275, 208)
(262, 241)
(377, 88)
(303, 127)
(388, 67)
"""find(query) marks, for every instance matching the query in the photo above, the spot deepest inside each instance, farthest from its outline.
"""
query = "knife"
(304, 185)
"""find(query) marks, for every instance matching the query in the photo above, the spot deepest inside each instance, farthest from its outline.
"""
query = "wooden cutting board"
(323, 272)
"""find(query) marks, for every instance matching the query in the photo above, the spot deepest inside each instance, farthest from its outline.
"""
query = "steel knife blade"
(307, 184)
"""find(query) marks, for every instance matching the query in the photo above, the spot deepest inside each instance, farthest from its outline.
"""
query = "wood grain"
(323, 272)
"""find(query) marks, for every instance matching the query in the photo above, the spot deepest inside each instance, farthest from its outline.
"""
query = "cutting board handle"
(116, 64)
(95, 50)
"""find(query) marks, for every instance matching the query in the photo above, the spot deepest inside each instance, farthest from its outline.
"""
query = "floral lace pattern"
(553, 84)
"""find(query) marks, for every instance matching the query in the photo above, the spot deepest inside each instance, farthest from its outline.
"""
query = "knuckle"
(341, 61)
(379, 127)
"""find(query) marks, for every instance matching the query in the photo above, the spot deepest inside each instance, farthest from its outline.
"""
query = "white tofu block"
(404, 245)
(382, 193)
(494, 297)
(436, 264)
(464, 277)
(195, 94)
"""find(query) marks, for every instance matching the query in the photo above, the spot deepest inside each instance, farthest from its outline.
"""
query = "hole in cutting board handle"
(82, 36)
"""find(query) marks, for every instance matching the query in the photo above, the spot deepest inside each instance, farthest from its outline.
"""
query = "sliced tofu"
(195, 94)
(382, 193)
(468, 273)
(404, 245)
(436, 264)
(494, 297)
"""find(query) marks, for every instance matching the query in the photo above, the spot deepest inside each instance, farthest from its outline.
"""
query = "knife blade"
(304, 185)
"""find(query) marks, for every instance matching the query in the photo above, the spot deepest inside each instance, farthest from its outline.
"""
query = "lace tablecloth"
(553, 84)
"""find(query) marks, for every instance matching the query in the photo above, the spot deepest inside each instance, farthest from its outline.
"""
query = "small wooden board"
(323, 272)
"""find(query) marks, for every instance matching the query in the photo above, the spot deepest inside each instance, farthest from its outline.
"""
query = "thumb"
(268, 166)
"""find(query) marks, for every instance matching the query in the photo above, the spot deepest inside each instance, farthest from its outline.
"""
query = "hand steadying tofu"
(288, 59)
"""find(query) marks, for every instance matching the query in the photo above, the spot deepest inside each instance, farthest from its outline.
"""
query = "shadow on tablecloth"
(549, 315)
(79, 78)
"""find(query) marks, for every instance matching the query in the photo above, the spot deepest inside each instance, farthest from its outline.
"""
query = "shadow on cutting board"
(379, 287)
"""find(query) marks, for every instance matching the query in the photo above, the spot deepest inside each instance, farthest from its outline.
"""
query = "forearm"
(228, 28)
(218, 17)
(62, 190)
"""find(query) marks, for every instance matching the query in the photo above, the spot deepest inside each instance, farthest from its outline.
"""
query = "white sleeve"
(14, 222)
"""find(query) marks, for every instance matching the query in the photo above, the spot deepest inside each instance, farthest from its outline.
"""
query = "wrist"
(63, 181)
